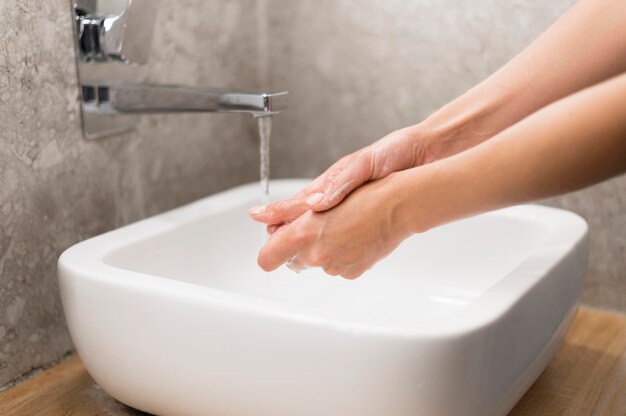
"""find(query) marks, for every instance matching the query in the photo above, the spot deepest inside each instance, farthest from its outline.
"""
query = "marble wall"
(357, 69)
(57, 188)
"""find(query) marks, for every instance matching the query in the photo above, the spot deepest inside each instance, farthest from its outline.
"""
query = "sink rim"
(566, 231)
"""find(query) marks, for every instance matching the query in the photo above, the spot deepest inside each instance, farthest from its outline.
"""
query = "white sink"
(172, 315)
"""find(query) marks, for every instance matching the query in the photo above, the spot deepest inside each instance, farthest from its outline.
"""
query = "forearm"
(568, 145)
(584, 47)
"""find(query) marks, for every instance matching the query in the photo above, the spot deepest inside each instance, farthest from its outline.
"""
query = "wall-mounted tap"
(126, 98)
(117, 34)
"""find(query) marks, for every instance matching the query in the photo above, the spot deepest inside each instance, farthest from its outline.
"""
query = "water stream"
(265, 130)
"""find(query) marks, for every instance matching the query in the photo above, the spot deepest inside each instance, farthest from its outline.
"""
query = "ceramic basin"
(172, 315)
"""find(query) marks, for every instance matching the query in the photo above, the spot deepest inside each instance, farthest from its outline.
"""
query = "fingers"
(296, 264)
(352, 274)
(286, 247)
(283, 245)
(355, 174)
(279, 212)
(272, 228)
(319, 183)
(323, 193)
(312, 187)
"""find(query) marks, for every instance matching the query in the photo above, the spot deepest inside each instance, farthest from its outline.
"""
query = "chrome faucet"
(126, 98)
(118, 33)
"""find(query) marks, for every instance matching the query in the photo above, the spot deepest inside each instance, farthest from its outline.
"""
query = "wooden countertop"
(587, 377)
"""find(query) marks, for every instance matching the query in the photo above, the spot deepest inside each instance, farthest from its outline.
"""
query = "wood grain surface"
(586, 378)
(588, 375)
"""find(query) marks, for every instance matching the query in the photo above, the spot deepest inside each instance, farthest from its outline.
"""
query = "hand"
(402, 149)
(346, 240)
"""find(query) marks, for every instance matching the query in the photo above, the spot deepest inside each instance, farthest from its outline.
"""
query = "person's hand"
(402, 149)
(346, 240)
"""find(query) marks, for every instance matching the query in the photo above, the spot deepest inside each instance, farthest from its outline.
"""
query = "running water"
(265, 130)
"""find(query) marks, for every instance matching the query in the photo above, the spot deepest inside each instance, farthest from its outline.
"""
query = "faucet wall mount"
(113, 37)
(124, 36)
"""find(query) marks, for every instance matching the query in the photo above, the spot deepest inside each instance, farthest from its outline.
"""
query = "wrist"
(430, 196)
(410, 201)
(472, 118)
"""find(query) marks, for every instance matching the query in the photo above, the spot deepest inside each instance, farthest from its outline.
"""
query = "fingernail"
(256, 210)
(315, 199)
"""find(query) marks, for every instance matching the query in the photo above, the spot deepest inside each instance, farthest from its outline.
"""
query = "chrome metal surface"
(112, 36)
(124, 98)
(124, 37)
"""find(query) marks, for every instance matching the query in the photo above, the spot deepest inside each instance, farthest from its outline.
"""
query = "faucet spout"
(128, 98)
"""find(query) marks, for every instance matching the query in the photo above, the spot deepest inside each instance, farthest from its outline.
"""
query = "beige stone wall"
(57, 188)
(357, 69)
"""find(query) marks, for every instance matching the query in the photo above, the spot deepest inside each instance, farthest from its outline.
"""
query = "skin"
(584, 136)
(382, 186)
(584, 47)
